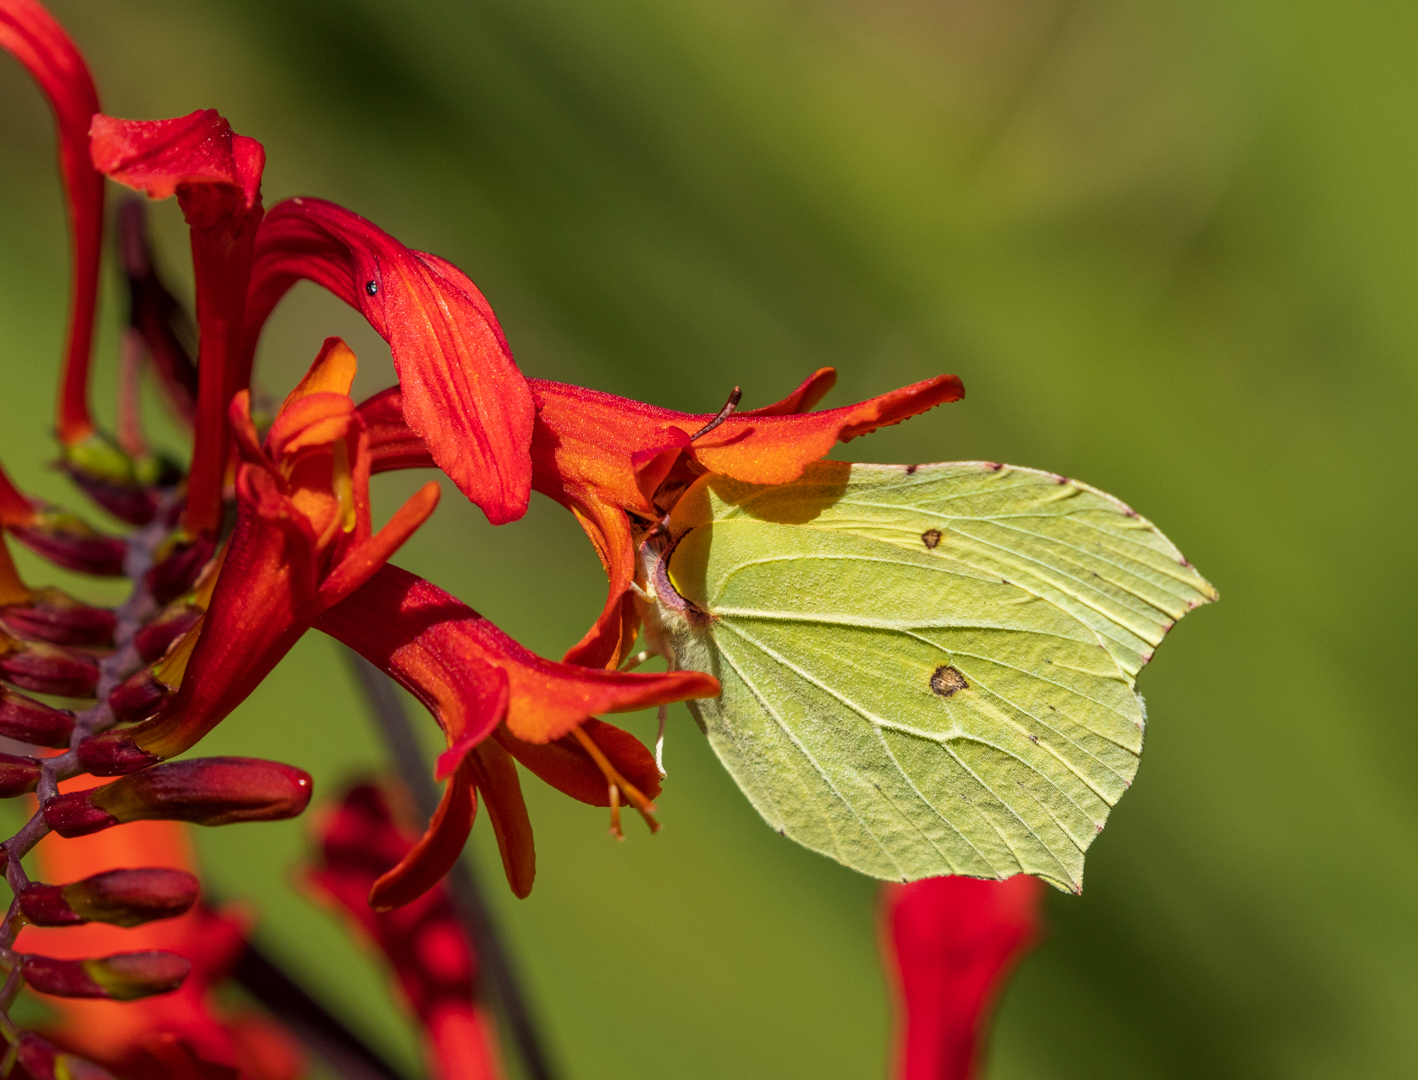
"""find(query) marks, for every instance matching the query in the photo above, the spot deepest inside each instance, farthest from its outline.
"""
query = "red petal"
(391, 444)
(216, 176)
(434, 855)
(29, 32)
(496, 776)
(565, 765)
(462, 393)
(804, 399)
(441, 651)
(953, 941)
(160, 157)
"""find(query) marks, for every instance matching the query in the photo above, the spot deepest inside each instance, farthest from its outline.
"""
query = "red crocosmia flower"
(31, 34)
(179, 1034)
(950, 943)
(462, 393)
(302, 543)
(432, 959)
(602, 456)
(216, 176)
(477, 681)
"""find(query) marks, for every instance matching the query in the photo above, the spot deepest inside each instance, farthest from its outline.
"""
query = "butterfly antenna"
(724, 413)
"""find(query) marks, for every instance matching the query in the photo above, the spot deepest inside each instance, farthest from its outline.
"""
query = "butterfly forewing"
(929, 671)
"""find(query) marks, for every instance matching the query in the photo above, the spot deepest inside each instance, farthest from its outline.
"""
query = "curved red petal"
(804, 399)
(495, 774)
(37, 40)
(437, 850)
(462, 393)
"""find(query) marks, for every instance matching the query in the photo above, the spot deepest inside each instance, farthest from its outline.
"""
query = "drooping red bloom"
(216, 176)
(604, 457)
(33, 37)
(478, 682)
(303, 541)
(950, 944)
(432, 960)
(463, 396)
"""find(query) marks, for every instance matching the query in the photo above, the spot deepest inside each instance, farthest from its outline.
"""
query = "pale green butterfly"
(926, 669)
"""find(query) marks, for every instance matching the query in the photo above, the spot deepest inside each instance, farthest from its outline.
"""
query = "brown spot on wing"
(946, 680)
(931, 537)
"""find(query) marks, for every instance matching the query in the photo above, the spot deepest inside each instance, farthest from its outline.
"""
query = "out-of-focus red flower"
(605, 458)
(462, 393)
(33, 36)
(216, 176)
(303, 542)
(432, 960)
(477, 682)
(950, 944)
(183, 1034)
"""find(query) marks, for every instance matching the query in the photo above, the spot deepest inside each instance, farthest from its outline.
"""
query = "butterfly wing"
(929, 670)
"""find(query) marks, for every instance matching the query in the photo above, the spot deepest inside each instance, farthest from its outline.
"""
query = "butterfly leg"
(662, 716)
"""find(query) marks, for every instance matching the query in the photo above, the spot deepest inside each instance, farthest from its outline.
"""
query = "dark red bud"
(121, 977)
(203, 791)
(59, 619)
(127, 502)
(43, 1061)
(68, 542)
(171, 623)
(48, 669)
(31, 722)
(120, 897)
(138, 697)
(18, 775)
(179, 567)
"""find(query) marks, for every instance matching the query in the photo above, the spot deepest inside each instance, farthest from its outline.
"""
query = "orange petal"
(566, 766)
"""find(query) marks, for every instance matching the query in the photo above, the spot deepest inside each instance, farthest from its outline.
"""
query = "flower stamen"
(619, 785)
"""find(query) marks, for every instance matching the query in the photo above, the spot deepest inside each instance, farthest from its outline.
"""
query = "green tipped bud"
(119, 897)
(120, 977)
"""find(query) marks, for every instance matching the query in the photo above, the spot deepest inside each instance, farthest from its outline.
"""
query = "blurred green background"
(1172, 250)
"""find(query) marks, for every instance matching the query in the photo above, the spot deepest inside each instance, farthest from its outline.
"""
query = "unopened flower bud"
(203, 791)
(169, 625)
(178, 566)
(41, 1060)
(18, 775)
(123, 485)
(67, 541)
(29, 721)
(52, 615)
(138, 697)
(120, 977)
(47, 669)
(119, 897)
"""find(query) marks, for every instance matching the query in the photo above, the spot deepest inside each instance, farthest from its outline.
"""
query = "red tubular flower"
(431, 956)
(602, 456)
(462, 392)
(302, 543)
(120, 977)
(216, 176)
(474, 678)
(950, 943)
(32, 35)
